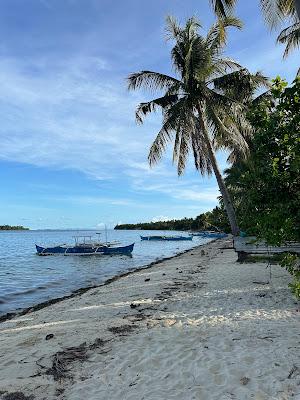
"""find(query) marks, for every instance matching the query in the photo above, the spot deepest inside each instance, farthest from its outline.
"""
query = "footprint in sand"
(219, 379)
(249, 360)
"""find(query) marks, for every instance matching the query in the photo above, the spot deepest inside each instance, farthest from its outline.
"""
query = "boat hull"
(167, 238)
(83, 250)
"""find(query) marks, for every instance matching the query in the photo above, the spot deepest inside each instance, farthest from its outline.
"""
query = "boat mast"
(106, 234)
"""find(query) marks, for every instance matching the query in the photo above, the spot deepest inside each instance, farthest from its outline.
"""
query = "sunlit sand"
(200, 328)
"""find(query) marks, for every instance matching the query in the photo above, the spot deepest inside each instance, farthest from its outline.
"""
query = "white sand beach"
(197, 326)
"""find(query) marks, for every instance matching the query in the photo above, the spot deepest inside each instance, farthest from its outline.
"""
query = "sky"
(71, 154)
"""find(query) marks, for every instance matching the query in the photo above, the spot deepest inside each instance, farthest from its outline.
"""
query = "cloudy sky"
(70, 152)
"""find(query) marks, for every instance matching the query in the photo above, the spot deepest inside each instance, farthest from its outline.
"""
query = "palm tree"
(198, 105)
(291, 37)
(275, 11)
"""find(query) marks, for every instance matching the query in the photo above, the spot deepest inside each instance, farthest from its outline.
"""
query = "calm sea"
(27, 279)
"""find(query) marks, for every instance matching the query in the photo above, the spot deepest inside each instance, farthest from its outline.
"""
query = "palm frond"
(171, 122)
(223, 8)
(223, 66)
(201, 158)
(144, 109)
(175, 31)
(217, 35)
(290, 37)
(240, 85)
(275, 11)
(265, 96)
(150, 80)
(158, 146)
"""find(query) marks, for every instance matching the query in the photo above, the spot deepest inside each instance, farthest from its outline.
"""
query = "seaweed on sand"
(122, 330)
(16, 396)
(62, 359)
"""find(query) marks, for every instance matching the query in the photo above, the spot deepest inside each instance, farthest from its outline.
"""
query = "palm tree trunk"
(223, 189)
(297, 6)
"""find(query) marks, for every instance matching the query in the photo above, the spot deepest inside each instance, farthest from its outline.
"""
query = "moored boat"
(170, 238)
(85, 248)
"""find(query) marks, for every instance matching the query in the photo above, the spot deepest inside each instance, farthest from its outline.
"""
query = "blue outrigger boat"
(85, 248)
(168, 238)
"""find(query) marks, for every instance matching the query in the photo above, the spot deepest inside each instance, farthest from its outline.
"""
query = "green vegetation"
(212, 220)
(203, 106)
(266, 186)
(13, 228)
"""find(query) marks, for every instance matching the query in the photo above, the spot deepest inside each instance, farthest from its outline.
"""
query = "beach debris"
(62, 359)
(269, 338)
(122, 330)
(16, 396)
(147, 279)
(49, 336)
(261, 283)
(244, 381)
(97, 343)
(294, 372)
(59, 391)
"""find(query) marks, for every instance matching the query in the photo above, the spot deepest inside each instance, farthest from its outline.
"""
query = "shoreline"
(199, 325)
(77, 292)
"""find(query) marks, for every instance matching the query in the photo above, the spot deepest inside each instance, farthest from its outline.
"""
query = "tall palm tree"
(275, 11)
(199, 106)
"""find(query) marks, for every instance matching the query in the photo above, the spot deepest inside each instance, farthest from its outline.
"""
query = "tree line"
(13, 228)
(211, 220)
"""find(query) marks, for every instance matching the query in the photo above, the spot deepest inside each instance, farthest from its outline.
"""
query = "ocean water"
(27, 279)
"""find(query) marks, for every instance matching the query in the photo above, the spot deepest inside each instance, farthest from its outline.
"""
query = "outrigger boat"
(170, 238)
(85, 248)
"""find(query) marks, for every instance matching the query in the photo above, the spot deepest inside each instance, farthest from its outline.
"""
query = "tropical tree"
(199, 106)
(275, 11)
(291, 37)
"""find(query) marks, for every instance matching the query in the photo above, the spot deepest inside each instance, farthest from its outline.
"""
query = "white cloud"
(161, 218)
(183, 190)
(64, 116)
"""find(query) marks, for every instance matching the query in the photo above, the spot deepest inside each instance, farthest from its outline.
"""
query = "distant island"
(13, 228)
(214, 220)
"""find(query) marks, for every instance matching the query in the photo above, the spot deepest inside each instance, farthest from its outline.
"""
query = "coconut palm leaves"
(223, 8)
(275, 12)
(202, 111)
(291, 37)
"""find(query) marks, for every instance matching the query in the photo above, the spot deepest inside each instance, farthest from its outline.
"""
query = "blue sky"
(71, 155)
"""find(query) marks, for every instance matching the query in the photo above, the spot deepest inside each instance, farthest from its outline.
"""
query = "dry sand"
(197, 326)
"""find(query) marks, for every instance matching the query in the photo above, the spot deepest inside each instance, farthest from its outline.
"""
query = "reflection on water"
(27, 279)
